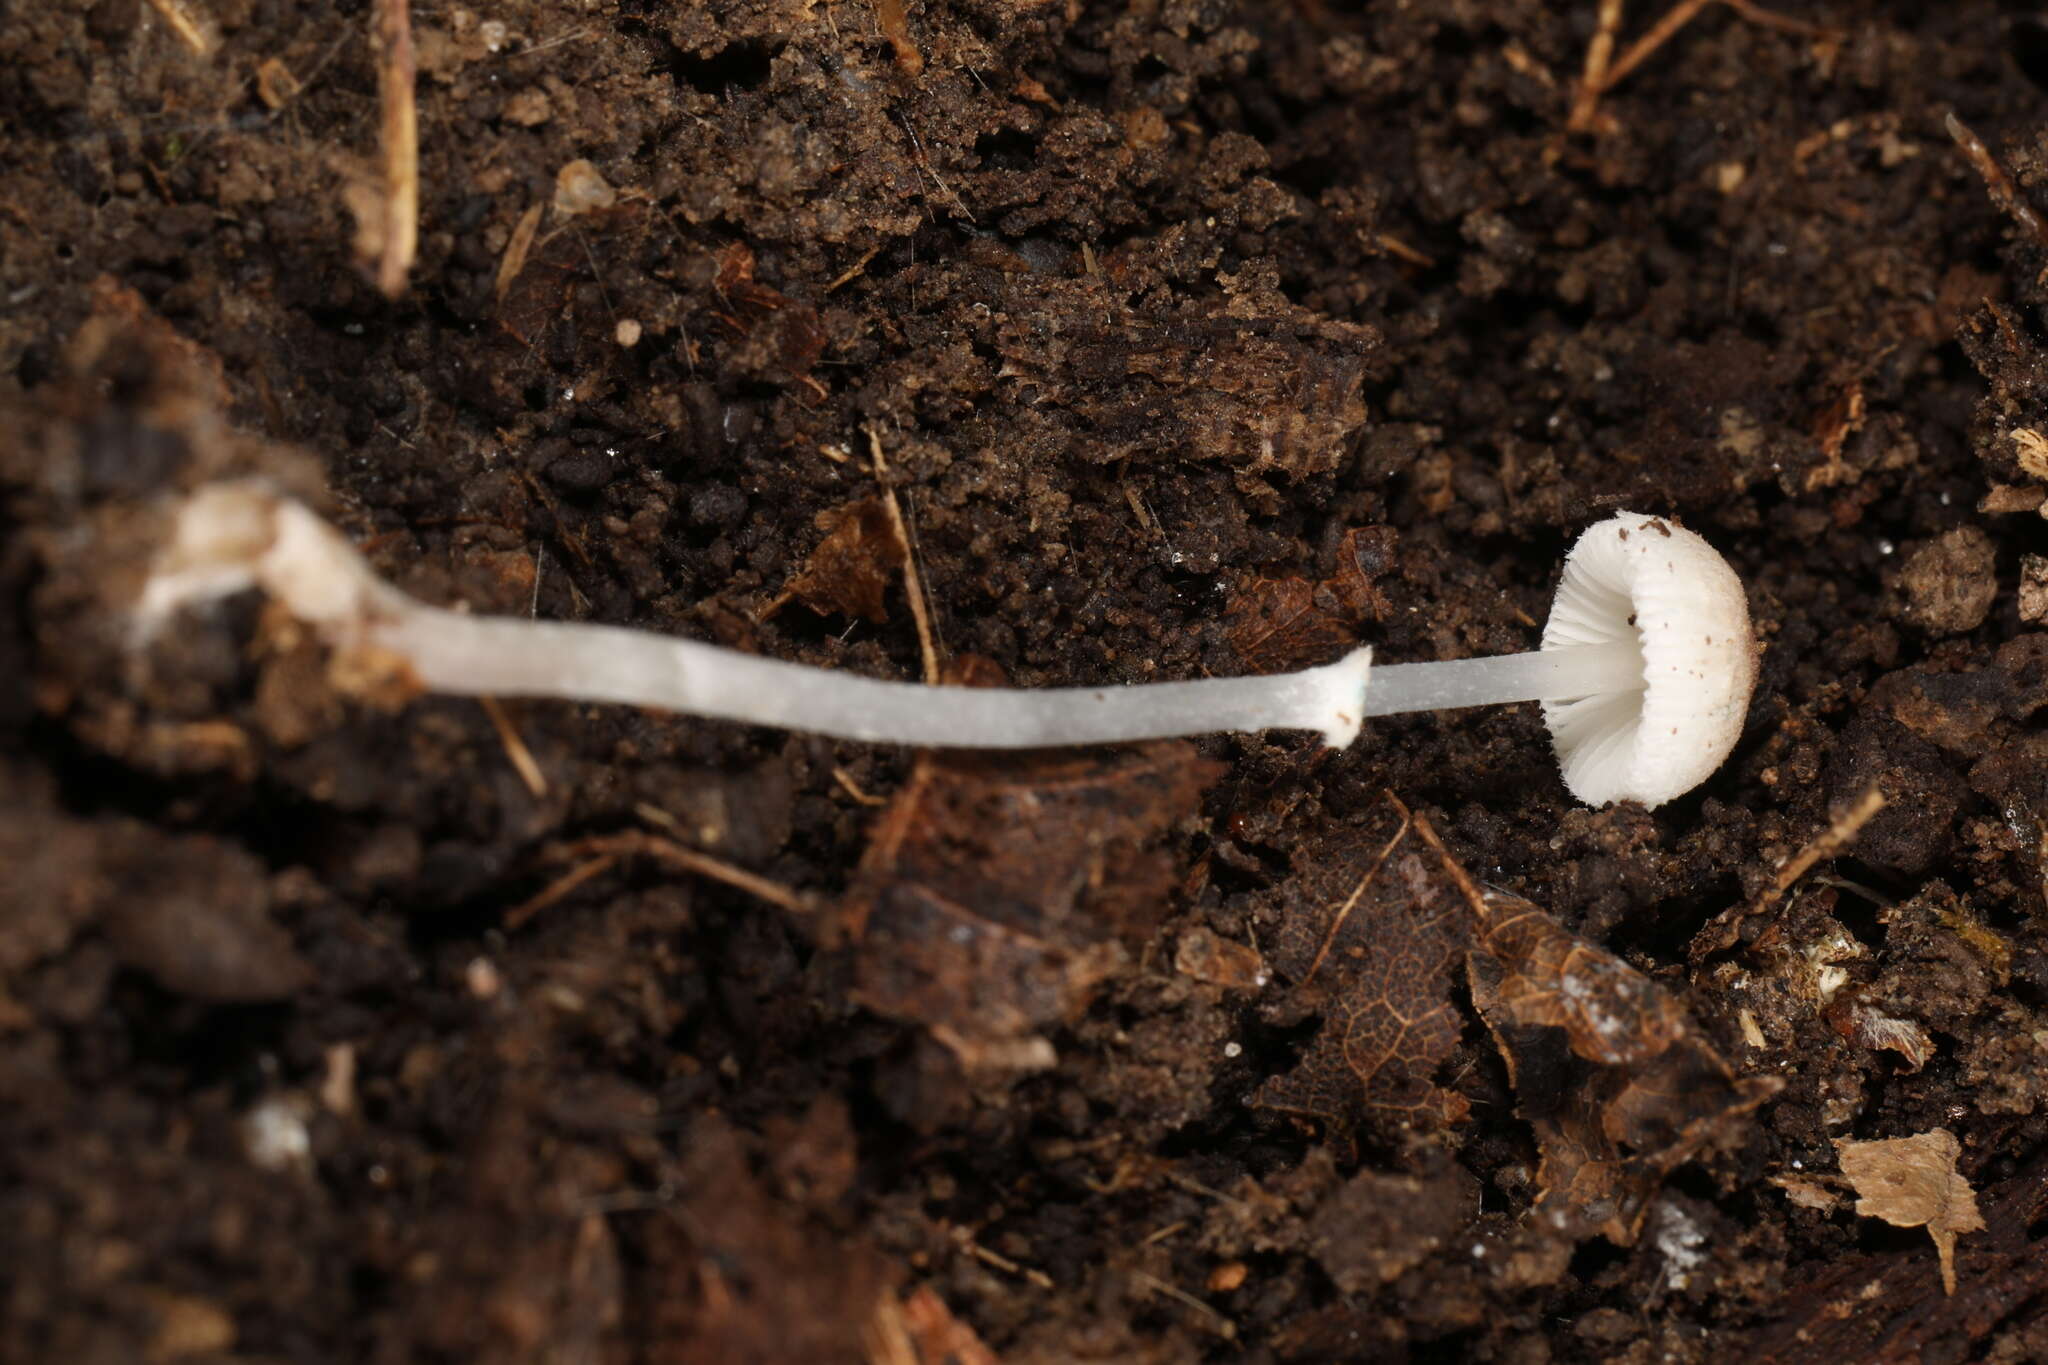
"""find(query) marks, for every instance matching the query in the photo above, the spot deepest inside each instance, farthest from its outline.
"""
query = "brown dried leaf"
(1606, 1066)
(1277, 624)
(853, 565)
(538, 274)
(1883, 1307)
(1251, 379)
(1364, 555)
(1371, 936)
(738, 1280)
(774, 336)
(995, 891)
(1912, 1182)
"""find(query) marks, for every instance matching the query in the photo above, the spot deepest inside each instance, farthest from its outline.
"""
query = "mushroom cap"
(1651, 580)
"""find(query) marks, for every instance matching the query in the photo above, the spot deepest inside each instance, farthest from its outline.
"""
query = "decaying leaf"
(1249, 378)
(1883, 1306)
(1608, 1069)
(774, 337)
(1912, 1182)
(537, 276)
(996, 893)
(738, 1279)
(1277, 624)
(1371, 938)
(854, 564)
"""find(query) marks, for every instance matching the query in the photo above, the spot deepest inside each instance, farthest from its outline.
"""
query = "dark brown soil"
(1195, 338)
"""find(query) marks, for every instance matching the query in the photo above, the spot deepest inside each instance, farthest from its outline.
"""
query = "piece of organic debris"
(193, 27)
(580, 188)
(1996, 181)
(397, 71)
(993, 899)
(1646, 668)
(1369, 936)
(1723, 930)
(1607, 1068)
(1949, 584)
(2033, 587)
(850, 570)
(1912, 1182)
(1275, 624)
(1618, 1084)
(1602, 74)
(1884, 1306)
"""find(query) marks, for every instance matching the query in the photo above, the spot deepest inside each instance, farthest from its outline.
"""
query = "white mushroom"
(1645, 669)
(1659, 586)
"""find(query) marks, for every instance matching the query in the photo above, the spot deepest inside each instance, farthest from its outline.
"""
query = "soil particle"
(1948, 584)
(1198, 339)
(1377, 1226)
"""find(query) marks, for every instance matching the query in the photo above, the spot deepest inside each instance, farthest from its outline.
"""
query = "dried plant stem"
(397, 69)
(1602, 74)
(2003, 192)
(913, 582)
(190, 28)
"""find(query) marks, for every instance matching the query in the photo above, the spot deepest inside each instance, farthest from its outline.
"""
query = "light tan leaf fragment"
(1807, 1194)
(1912, 1182)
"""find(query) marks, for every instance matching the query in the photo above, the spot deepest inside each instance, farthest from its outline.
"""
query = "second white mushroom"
(1645, 670)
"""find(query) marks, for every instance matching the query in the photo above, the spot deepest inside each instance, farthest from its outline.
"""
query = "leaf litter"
(1607, 1066)
(1912, 1182)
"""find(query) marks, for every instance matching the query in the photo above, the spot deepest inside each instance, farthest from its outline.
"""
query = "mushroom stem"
(450, 652)
(235, 536)
(1561, 674)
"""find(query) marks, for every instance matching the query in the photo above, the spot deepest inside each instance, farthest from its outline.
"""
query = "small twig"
(2004, 193)
(397, 70)
(555, 890)
(190, 28)
(1193, 1186)
(1720, 932)
(1219, 1324)
(515, 747)
(572, 36)
(1599, 52)
(853, 272)
(1602, 75)
(1394, 246)
(690, 860)
(913, 583)
(517, 247)
(1830, 842)
(1037, 1278)
(852, 789)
